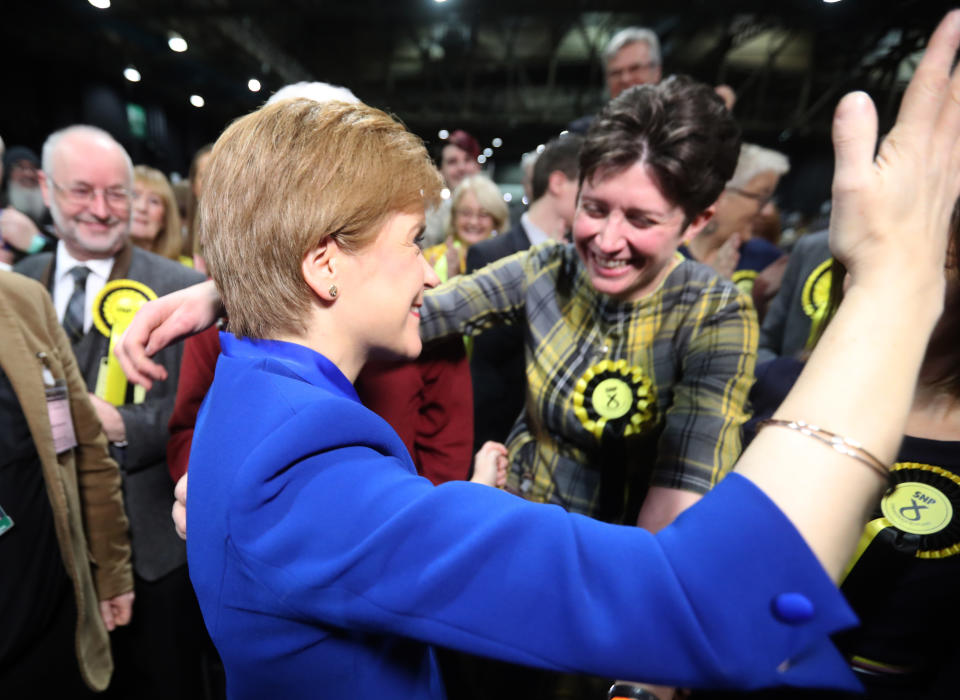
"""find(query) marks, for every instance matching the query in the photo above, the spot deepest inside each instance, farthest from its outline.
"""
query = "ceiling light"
(481, 159)
(507, 196)
(131, 74)
(444, 193)
(497, 142)
(439, 1)
(443, 133)
(176, 42)
(100, 4)
(830, 2)
(196, 101)
(488, 152)
(540, 148)
(254, 85)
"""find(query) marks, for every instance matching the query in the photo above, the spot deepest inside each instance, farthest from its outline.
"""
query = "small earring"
(333, 291)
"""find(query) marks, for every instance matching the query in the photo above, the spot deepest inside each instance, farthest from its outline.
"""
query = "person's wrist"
(919, 302)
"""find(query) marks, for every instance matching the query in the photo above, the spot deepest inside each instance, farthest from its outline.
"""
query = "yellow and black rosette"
(615, 399)
(816, 289)
(815, 297)
(113, 310)
(924, 504)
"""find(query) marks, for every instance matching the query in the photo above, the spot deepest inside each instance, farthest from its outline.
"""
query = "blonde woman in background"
(155, 217)
(477, 211)
(198, 167)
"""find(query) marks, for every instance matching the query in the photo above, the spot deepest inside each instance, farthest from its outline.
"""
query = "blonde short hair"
(488, 196)
(169, 240)
(283, 179)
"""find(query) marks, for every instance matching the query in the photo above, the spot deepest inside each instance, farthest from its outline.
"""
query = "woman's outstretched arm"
(859, 382)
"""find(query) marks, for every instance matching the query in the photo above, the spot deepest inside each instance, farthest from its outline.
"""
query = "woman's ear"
(319, 268)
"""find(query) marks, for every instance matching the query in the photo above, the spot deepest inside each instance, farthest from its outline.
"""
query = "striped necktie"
(73, 318)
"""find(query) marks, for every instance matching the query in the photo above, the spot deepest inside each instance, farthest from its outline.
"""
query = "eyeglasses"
(472, 214)
(761, 199)
(115, 197)
(618, 73)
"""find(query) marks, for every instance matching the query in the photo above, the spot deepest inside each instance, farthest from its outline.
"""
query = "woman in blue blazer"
(325, 567)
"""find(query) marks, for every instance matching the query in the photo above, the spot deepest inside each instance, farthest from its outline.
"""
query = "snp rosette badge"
(113, 310)
(925, 501)
(615, 398)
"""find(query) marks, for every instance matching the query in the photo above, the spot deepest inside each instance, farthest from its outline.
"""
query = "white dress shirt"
(535, 234)
(63, 284)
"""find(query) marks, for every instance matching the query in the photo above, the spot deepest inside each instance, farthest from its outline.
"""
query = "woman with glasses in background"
(477, 212)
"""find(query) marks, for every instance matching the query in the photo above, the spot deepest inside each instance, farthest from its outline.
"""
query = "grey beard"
(28, 200)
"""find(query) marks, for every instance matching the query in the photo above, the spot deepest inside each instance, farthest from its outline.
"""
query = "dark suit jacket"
(147, 488)
(786, 326)
(497, 365)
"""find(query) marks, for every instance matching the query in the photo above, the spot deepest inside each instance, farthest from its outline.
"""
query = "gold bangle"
(843, 445)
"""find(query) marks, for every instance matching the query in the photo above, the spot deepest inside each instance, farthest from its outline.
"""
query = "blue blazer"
(325, 567)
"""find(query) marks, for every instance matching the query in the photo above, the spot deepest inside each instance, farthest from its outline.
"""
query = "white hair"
(756, 159)
(528, 159)
(52, 143)
(318, 92)
(633, 35)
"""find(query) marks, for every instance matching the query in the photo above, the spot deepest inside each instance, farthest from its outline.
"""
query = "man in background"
(21, 168)
(631, 57)
(497, 364)
(19, 234)
(86, 182)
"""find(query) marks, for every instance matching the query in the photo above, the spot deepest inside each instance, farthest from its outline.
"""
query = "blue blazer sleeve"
(728, 596)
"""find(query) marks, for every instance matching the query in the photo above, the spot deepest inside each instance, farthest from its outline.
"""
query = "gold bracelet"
(843, 445)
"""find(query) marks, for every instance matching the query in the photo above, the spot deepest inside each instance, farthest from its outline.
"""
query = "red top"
(429, 402)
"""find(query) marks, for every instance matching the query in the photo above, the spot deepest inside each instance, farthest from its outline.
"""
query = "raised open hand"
(891, 211)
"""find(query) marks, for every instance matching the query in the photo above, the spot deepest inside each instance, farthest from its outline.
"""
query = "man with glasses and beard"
(97, 279)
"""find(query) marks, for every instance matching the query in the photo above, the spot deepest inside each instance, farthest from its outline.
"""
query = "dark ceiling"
(516, 69)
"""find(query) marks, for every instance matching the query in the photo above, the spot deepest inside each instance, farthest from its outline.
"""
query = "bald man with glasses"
(97, 279)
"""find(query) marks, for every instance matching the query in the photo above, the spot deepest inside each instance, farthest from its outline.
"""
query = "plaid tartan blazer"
(620, 396)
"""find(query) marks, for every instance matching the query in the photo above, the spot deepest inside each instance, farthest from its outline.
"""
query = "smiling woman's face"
(627, 233)
(474, 223)
(383, 286)
(149, 212)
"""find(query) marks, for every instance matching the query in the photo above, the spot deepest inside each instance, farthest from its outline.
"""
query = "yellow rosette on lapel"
(113, 310)
(615, 398)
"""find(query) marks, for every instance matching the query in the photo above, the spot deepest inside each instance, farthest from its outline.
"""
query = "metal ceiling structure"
(517, 69)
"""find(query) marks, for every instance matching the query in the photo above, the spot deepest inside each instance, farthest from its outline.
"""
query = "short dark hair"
(561, 153)
(679, 128)
(459, 138)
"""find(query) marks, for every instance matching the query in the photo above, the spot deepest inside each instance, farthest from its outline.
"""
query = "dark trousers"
(162, 653)
(48, 669)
